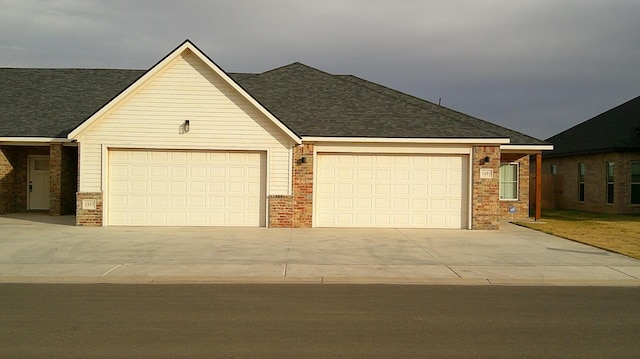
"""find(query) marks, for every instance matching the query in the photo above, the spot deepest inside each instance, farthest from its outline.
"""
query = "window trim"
(582, 173)
(610, 176)
(517, 182)
(632, 183)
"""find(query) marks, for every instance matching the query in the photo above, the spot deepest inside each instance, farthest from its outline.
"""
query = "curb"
(315, 280)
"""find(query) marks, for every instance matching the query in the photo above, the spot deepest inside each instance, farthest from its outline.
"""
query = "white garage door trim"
(391, 190)
(185, 187)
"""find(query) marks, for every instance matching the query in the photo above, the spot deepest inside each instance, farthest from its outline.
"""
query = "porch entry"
(38, 190)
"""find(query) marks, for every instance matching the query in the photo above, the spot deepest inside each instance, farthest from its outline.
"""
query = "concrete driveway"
(39, 248)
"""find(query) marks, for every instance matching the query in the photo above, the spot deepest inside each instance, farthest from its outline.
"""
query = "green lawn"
(617, 233)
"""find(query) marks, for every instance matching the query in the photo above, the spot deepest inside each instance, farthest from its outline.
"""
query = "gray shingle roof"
(52, 102)
(315, 103)
(616, 130)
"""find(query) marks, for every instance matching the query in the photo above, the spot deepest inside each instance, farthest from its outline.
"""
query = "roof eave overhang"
(488, 141)
(187, 45)
(590, 152)
(525, 148)
(32, 140)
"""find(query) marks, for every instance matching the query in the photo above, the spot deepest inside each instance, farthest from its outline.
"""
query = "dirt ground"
(617, 233)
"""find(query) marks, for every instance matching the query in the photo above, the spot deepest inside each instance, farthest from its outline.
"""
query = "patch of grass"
(616, 233)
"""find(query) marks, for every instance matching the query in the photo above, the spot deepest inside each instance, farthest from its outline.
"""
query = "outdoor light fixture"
(184, 127)
(487, 159)
(303, 160)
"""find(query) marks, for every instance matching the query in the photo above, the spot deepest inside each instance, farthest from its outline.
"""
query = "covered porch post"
(538, 213)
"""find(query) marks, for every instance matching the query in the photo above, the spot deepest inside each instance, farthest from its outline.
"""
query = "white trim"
(394, 148)
(35, 139)
(104, 186)
(314, 189)
(106, 149)
(470, 193)
(517, 182)
(182, 147)
(526, 147)
(187, 45)
(407, 140)
(466, 154)
(397, 148)
(290, 172)
(267, 185)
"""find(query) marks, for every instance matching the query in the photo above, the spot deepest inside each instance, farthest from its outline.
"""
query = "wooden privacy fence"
(551, 191)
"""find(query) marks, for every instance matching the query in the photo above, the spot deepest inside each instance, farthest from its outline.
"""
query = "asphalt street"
(317, 321)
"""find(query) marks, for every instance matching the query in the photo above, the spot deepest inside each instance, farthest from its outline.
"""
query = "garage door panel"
(401, 189)
(138, 201)
(391, 190)
(138, 216)
(198, 172)
(382, 203)
(186, 188)
(158, 218)
(159, 202)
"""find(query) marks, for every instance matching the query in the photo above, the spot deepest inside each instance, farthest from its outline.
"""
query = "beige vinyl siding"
(187, 89)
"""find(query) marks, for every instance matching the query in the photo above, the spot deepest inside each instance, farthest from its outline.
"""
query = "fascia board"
(526, 148)
(499, 141)
(35, 139)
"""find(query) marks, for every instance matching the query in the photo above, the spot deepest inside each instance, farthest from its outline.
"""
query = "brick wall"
(63, 169)
(522, 204)
(7, 182)
(595, 196)
(302, 186)
(89, 217)
(280, 211)
(485, 197)
(55, 178)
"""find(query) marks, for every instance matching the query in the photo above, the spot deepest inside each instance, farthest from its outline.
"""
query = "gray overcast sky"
(535, 66)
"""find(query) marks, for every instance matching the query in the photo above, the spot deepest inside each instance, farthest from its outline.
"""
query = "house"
(186, 143)
(595, 165)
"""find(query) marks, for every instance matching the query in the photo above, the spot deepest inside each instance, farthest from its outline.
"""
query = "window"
(610, 176)
(509, 181)
(554, 169)
(635, 183)
(581, 172)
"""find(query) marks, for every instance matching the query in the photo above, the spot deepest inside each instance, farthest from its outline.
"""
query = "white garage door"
(406, 191)
(181, 188)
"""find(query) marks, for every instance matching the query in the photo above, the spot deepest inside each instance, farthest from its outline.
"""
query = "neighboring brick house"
(186, 143)
(595, 165)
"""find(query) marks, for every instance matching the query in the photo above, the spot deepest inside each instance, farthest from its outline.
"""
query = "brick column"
(7, 184)
(280, 211)
(302, 186)
(89, 209)
(69, 180)
(486, 191)
(55, 179)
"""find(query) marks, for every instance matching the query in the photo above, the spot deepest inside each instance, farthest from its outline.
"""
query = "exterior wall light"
(184, 127)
